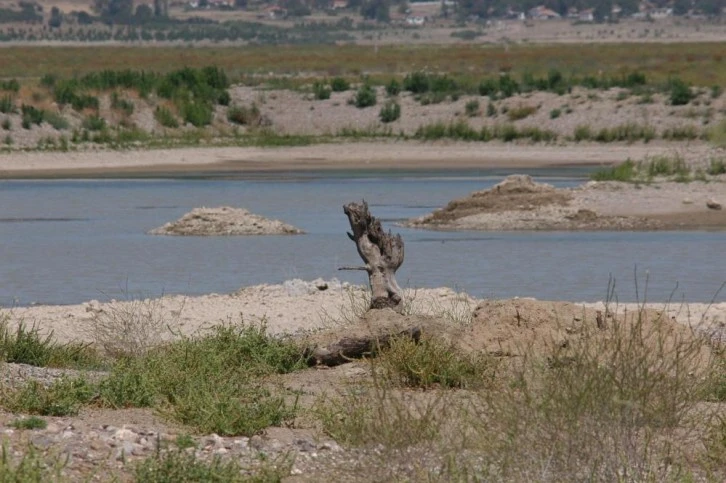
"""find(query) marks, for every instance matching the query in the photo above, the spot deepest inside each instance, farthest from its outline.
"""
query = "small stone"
(221, 451)
(687, 201)
(330, 446)
(125, 434)
(304, 445)
(97, 444)
(242, 443)
(52, 428)
(713, 205)
(256, 442)
(67, 434)
(215, 440)
(41, 442)
(296, 471)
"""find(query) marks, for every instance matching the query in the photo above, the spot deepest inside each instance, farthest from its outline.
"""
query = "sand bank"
(393, 155)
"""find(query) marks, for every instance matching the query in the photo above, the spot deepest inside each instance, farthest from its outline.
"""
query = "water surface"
(67, 241)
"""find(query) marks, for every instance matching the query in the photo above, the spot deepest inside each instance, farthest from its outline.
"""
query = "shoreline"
(393, 156)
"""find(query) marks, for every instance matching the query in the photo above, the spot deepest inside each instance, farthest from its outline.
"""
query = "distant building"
(542, 13)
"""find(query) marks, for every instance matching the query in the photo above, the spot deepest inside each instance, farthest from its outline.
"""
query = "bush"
(716, 167)
(57, 120)
(390, 111)
(7, 106)
(680, 92)
(197, 114)
(7, 124)
(31, 115)
(393, 88)
(491, 109)
(472, 108)
(622, 172)
(365, 97)
(123, 105)
(94, 123)
(165, 117)
(555, 113)
(339, 84)
(321, 91)
(583, 133)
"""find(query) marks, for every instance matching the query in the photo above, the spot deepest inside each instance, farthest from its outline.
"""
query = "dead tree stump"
(382, 253)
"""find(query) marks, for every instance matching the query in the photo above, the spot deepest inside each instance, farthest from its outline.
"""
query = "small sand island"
(224, 221)
(520, 203)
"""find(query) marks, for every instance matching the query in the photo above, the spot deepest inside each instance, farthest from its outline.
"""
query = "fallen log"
(348, 348)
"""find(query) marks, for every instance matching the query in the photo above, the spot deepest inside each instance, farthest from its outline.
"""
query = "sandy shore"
(364, 155)
(296, 307)
(520, 203)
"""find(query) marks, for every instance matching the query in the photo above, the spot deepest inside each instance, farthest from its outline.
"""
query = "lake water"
(67, 241)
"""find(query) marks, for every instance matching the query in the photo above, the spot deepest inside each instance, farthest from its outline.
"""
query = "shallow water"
(67, 241)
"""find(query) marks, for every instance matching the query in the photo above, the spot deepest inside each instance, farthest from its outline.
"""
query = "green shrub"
(491, 109)
(390, 112)
(197, 114)
(7, 106)
(555, 113)
(33, 422)
(339, 84)
(165, 117)
(7, 124)
(716, 91)
(680, 92)
(94, 123)
(57, 120)
(65, 397)
(431, 362)
(583, 133)
(10, 85)
(321, 90)
(416, 82)
(472, 108)
(249, 116)
(31, 115)
(716, 167)
(123, 105)
(365, 97)
(26, 345)
(680, 133)
(393, 88)
(622, 172)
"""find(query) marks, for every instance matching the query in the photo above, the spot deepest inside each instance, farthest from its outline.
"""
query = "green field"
(697, 63)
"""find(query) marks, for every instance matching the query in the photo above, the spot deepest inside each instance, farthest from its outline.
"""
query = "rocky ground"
(102, 444)
(519, 203)
(224, 221)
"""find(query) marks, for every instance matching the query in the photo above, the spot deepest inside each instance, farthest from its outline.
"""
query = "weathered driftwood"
(382, 253)
(349, 348)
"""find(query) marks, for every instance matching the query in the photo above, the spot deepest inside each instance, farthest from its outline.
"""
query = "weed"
(555, 113)
(472, 108)
(432, 362)
(521, 112)
(321, 90)
(165, 117)
(184, 467)
(491, 109)
(29, 468)
(27, 346)
(390, 112)
(339, 84)
(582, 133)
(622, 172)
(64, 397)
(130, 328)
(94, 123)
(717, 166)
(680, 92)
(365, 97)
(7, 106)
(393, 88)
(7, 124)
(32, 422)
(717, 134)
(56, 120)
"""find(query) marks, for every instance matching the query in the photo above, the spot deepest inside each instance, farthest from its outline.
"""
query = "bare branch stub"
(382, 253)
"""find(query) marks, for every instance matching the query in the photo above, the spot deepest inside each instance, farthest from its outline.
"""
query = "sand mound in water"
(516, 192)
(223, 221)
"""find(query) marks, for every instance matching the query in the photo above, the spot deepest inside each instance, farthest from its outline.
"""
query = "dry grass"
(697, 63)
(625, 402)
